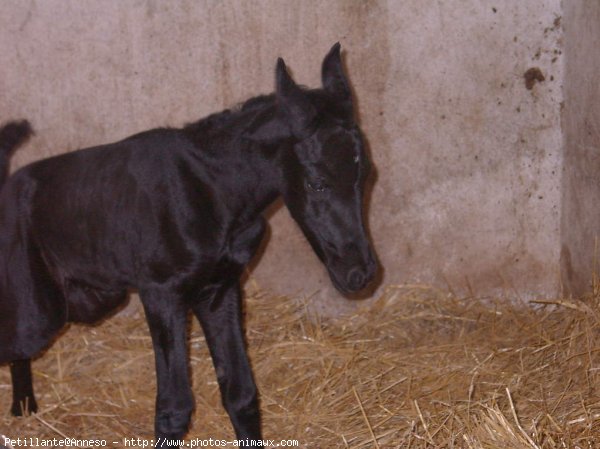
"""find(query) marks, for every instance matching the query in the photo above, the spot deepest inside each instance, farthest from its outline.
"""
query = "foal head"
(324, 172)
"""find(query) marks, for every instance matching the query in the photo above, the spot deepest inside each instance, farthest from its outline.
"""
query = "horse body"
(176, 214)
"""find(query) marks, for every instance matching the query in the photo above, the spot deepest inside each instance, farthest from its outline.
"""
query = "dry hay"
(418, 368)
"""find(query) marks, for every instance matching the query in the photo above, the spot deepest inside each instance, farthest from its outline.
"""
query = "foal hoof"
(24, 408)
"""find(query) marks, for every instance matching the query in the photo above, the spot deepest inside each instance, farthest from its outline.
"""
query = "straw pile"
(418, 368)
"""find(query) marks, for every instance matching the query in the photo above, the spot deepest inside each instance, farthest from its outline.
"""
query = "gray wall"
(581, 122)
(469, 160)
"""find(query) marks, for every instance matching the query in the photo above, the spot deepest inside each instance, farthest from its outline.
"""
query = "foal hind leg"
(23, 398)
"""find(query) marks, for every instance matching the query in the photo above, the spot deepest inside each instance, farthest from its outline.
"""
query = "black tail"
(12, 135)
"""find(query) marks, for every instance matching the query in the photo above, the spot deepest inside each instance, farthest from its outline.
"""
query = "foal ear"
(334, 79)
(293, 103)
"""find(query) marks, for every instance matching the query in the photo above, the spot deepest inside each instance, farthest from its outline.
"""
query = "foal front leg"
(166, 316)
(222, 327)
(23, 398)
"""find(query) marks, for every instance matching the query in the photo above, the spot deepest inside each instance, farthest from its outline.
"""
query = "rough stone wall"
(580, 221)
(469, 160)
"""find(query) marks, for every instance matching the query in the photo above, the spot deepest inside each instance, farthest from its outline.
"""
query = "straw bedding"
(418, 368)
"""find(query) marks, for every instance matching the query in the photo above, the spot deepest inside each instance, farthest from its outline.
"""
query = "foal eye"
(317, 185)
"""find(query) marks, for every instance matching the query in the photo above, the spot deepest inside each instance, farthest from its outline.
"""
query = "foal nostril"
(356, 279)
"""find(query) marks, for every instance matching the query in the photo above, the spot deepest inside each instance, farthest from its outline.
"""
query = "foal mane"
(232, 117)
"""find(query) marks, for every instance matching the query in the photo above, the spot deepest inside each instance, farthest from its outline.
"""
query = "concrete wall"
(469, 160)
(581, 122)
